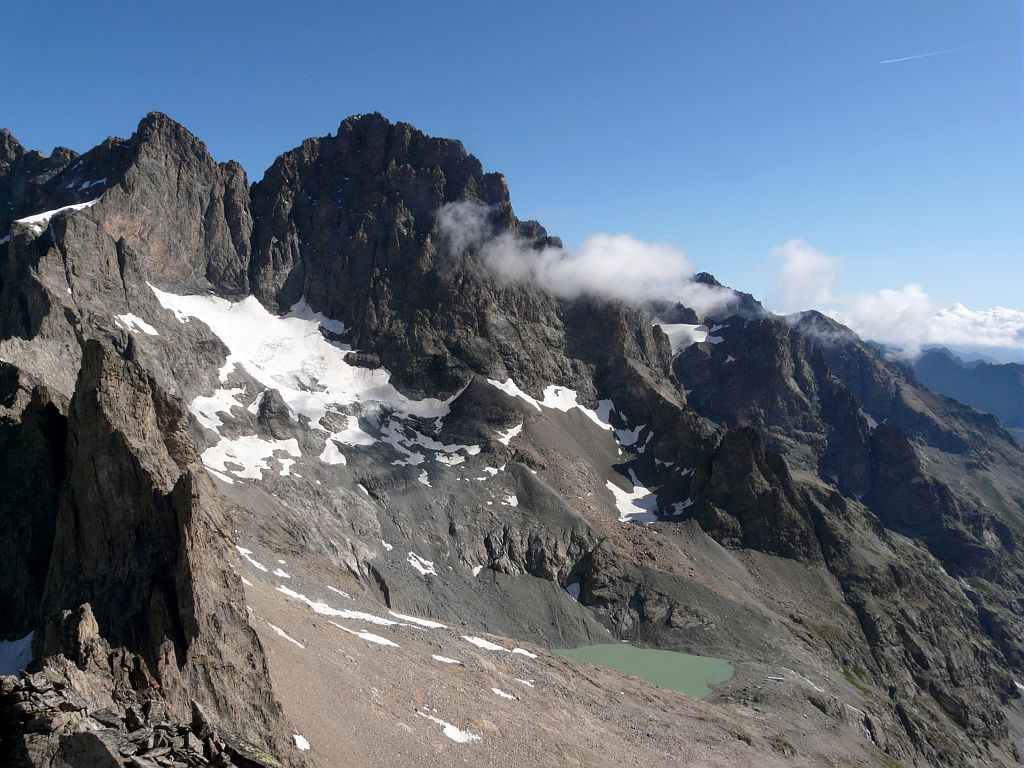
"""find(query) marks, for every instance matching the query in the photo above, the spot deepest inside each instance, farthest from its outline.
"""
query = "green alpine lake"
(694, 675)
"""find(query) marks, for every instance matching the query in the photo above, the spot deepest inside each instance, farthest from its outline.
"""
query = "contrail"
(923, 55)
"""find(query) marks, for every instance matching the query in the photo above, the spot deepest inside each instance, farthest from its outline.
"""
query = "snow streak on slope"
(560, 398)
(39, 221)
(452, 732)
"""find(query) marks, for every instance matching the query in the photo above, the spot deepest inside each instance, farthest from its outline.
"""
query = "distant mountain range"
(994, 388)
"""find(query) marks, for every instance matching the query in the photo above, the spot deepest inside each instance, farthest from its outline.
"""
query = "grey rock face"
(193, 234)
(32, 435)
(769, 376)
(139, 535)
(168, 200)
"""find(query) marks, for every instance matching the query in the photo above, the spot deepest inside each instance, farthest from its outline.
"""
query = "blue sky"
(725, 128)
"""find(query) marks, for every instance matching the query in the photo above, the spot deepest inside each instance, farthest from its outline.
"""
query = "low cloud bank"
(619, 267)
(905, 317)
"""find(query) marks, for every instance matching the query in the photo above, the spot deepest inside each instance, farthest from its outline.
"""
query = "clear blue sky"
(724, 127)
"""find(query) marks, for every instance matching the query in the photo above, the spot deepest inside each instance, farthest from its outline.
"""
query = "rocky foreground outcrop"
(137, 596)
(90, 705)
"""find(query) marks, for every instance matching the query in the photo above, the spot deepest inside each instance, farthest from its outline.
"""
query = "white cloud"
(805, 276)
(898, 317)
(619, 267)
(993, 327)
(904, 317)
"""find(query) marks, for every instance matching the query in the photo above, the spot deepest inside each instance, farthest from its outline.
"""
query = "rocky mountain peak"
(10, 147)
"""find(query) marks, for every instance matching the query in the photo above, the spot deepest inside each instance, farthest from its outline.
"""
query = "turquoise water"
(694, 675)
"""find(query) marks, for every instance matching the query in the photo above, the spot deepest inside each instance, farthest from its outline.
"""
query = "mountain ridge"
(740, 473)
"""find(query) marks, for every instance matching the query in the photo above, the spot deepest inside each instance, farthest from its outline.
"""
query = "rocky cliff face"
(383, 413)
(140, 536)
(132, 529)
(33, 430)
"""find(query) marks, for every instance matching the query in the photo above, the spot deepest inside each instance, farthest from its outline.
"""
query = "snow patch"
(425, 567)
(680, 506)
(369, 637)
(300, 742)
(250, 452)
(506, 437)
(281, 633)
(206, 409)
(247, 554)
(446, 660)
(452, 732)
(682, 335)
(134, 323)
(289, 353)
(450, 461)
(504, 694)
(512, 389)
(487, 645)
(418, 621)
(331, 455)
(628, 437)
(637, 506)
(325, 610)
(564, 399)
(560, 398)
(353, 434)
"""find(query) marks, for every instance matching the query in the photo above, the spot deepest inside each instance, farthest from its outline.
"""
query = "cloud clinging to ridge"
(620, 267)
